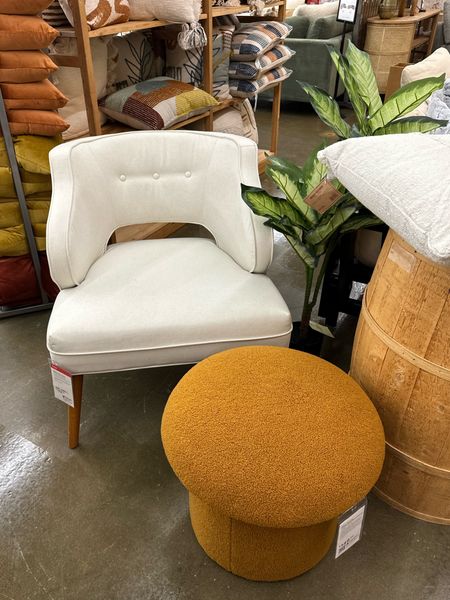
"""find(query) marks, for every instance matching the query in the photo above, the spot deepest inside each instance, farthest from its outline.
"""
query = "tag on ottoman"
(323, 197)
(350, 527)
(62, 384)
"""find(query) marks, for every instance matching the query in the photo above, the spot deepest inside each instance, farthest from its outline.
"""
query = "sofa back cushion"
(299, 26)
(324, 28)
(314, 11)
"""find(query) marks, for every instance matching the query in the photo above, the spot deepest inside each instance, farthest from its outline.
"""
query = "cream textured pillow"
(229, 121)
(176, 11)
(314, 11)
(403, 179)
(141, 10)
(68, 81)
(432, 66)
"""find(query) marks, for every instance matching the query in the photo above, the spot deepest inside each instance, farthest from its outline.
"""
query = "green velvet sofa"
(312, 63)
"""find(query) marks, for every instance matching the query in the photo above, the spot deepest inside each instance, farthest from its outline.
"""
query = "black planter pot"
(311, 344)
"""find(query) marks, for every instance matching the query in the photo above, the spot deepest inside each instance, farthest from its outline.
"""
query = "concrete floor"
(109, 520)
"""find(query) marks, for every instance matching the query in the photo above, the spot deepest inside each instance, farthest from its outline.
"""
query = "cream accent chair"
(154, 303)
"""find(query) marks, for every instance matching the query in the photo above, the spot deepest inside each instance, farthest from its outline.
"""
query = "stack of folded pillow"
(31, 103)
(257, 57)
(17, 280)
(31, 100)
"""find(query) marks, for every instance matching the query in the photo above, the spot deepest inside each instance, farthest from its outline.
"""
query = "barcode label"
(62, 384)
(350, 529)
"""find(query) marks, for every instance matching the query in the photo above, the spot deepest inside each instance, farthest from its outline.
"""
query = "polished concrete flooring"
(109, 521)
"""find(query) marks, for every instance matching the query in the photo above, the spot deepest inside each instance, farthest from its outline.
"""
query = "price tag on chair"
(350, 527)
(62, 384)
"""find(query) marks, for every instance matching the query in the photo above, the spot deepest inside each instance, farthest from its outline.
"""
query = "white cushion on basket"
(403, 179)
(432, 66)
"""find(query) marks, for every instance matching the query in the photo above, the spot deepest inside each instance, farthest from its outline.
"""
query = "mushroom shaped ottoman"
(273, 445)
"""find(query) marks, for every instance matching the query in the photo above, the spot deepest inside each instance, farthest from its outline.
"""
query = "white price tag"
(350, 527)
(62, 384)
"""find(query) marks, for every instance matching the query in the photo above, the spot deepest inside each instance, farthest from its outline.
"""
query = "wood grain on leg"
(75, 411)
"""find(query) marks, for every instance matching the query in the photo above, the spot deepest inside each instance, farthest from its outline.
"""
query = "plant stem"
(307, 306)
(320, 276)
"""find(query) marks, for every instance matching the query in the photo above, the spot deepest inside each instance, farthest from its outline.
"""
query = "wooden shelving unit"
(83, 61)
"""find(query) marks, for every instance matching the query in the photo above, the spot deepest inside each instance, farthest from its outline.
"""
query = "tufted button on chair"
(151, 303)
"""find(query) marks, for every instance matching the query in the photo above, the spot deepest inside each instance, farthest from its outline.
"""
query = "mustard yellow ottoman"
(272, 444)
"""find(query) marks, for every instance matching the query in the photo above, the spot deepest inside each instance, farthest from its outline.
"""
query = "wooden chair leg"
(75, 411)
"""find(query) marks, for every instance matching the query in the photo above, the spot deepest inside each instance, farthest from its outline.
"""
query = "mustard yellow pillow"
(32, 152)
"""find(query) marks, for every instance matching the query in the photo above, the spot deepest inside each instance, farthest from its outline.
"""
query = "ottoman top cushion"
(273, 437)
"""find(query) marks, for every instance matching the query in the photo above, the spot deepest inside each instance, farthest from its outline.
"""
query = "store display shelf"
(420, 40)
(120, 28)
(219, 11)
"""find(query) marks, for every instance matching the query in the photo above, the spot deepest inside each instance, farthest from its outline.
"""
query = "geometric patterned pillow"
(156, 104)
(252, 40)
(245, 88)
(256, 69)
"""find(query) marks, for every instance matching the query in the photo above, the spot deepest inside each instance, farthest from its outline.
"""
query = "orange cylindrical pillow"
(23, 7)
(18, 32)
(36, 122)
(42, 95)
(24, 66)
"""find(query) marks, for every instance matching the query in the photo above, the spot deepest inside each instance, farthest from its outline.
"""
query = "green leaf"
(327, 109)
(303, 252)
(282, 226)
(359, 108)
(313, 173)
(360, 221)
(306, 216)
(404, 100)
(286, 166)
(411, 125)
(331, 223)
(361, 69)
(265, 205)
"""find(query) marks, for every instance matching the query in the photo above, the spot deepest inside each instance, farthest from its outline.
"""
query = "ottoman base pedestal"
(259, 553)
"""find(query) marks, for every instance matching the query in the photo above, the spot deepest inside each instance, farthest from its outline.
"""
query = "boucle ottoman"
(273, 445)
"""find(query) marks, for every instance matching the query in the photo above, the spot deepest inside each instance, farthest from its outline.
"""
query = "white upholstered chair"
(162, 302)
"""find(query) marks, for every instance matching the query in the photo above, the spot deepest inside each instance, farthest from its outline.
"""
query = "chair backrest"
(107, 182)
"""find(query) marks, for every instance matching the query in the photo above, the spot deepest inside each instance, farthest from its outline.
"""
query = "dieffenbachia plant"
(311, 234)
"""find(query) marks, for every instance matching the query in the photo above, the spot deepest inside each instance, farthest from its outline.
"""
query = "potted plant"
(314, 235)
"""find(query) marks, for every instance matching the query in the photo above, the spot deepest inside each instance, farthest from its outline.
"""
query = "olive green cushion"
(299, 26)
(324, 28)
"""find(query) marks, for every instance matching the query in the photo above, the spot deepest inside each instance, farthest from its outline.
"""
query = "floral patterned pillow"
(100, 13)
(187, 65)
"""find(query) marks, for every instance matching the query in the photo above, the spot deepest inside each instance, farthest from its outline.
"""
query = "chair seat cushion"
(162, 302)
